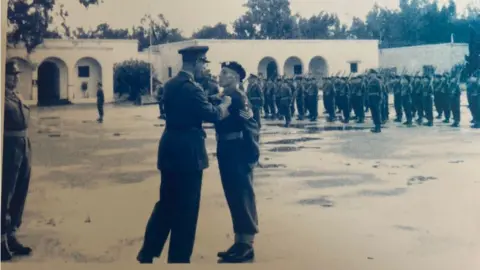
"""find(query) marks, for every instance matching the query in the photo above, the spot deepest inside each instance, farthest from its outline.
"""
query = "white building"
(421, 59)
(269, 57)
(69, 70)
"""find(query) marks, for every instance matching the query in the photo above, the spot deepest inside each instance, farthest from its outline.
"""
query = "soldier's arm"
(207, 111)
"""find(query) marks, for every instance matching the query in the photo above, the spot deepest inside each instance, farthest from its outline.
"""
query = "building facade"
(68, 71)
(275, 57)
(438, 58)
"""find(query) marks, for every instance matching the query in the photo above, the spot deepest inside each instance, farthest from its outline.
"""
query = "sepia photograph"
(313, 134)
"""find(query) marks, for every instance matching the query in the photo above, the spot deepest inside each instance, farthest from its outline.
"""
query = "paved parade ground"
(329, 195)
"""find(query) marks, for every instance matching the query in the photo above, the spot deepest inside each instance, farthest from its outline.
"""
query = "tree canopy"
(414, 22)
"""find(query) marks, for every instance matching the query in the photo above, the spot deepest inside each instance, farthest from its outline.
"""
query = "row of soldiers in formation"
(413, 97)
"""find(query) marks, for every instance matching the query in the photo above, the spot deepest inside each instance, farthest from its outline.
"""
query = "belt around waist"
(15, 133)
(229, 136)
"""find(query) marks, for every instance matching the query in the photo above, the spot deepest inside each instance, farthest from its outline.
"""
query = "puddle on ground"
(420, 179)
(269, 166)
(293, 141)
(54, 135)
(283, 149)
(311, 128)
(132, 177)
(405, 228)
(49, 118)
(159, 125)
(337, 182)
(321, 201)
(383, 193)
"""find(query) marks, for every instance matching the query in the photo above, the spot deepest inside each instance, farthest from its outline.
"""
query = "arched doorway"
(89, 74)
(52, 82)
(267, 67)
(293, 66)
(24, 86)
(318, 67)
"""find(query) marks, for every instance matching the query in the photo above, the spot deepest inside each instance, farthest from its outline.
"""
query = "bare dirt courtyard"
(329, 196)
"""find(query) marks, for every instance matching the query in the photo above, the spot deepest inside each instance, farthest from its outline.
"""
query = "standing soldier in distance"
(312, 96)
(255, 96)
(445, 96)
(406, 93)
(100, 102)
(237, 153)
(300, 98)
(182, 157)
(329, 97)
(285, 97)
(455, 101)
(375, 92)
(427, 100)
(16, 165)
(397, 98)
(159, 95)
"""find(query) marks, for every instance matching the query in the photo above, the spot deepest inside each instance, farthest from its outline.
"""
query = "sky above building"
(191, 15)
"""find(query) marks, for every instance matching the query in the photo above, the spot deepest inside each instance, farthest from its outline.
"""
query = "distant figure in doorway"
(100, 102)
(16, 166)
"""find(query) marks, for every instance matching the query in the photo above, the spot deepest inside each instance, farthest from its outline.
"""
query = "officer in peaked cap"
(182, 157)
(238, 153)
(256, 97)
(16, 165)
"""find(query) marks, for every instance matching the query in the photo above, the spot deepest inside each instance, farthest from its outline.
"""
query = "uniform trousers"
(237, 181)
(176, 213)
(15, 182)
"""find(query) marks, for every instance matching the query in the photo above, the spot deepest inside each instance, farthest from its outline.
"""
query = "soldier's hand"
(226, 100)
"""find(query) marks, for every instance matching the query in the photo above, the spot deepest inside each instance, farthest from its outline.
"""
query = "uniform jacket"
(182, 145)
(241, 119)
(255, 95)
(17, 114)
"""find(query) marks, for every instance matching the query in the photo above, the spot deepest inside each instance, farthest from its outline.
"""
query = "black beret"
(372, 71)
(11, 68)
(194, 53)
(253, 76)
(235, 67)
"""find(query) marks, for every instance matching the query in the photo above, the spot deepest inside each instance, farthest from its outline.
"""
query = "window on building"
(170, 72)
(353, 67)
(297, 69)
(84, 71)
(428, 70)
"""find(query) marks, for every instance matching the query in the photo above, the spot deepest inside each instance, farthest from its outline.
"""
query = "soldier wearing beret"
(427, 100)
(16, 165)
(454, 100)
(238, 153)
(406, 95)
(182, 157)
(255, 96)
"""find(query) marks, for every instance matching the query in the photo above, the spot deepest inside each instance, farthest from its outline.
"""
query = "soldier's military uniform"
(406, 95)
(385, 101)
(237, 153)
(255, 96)
(300, 98)
(16, 166)
(329, 97)
(161, 108)
(455, 96)
(417, 99)
(182, 157)
(270, 99)
(438, 95)
(285, 96)
(357, 93)
(312, 97)
(343, 92)
(100, 102)
(444, 95)
(427, 100)
(473, 90)
(278, 98)
(396, 87)
(375, 92)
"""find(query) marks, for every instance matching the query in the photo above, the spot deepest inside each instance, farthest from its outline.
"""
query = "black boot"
(16, 248)
(6, 255)
(446, 121)
(428, 124)
(376, 129)
(455, 124)
(238, 253)
(398, 120)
